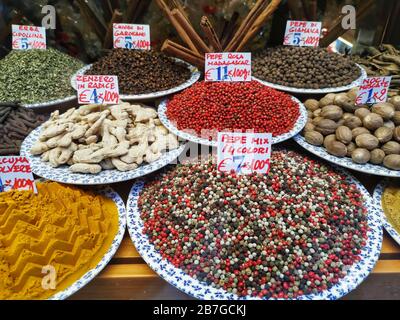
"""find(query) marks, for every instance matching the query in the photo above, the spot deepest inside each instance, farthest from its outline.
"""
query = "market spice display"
(304, 67)
(36, 76)
(391, 205)
(209, 107)
(15, 125)
(141, 71)
(293, 232)
(62, 226)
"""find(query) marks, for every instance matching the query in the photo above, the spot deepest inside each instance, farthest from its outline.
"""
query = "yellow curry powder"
(391, 205)
(62, 228)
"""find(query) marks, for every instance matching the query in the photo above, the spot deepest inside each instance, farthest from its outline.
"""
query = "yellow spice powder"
(62, 228)
(391, 205)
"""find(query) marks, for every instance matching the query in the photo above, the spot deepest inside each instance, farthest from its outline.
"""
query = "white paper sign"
(131, 36)
(92, 89)
(228, 66)
(373, 90)
(16, 173)
(302, 33)
(28, 37)
(244, 153)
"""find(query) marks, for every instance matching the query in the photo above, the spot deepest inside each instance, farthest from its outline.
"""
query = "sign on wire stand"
(228, 66)
(244, 153)
(28, 37)
(131, 36)
(373, 90)
(16, 173)
(302, 33)
(93, 89)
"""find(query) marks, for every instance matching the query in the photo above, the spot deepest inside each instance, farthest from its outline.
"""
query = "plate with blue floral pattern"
(176, 277)
(64, 175)
(378, 193)
(162, 109)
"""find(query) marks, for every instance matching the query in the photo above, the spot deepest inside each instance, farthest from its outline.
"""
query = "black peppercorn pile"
(292, 232)
(15, 125)
(141, 71)
(304, 67)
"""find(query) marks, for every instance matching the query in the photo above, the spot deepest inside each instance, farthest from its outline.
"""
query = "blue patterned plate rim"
(50, 103)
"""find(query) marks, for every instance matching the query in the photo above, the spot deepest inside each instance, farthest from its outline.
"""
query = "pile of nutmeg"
(363, 133)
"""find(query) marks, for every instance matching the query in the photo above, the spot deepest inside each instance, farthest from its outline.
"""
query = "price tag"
(373, 90)
(97, 89)
(302, 33)
(244, 153)
(16, 173)
(28, 37)
(131, 36)
(228, 66)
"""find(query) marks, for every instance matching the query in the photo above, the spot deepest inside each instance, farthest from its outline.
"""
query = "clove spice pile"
(15, 125)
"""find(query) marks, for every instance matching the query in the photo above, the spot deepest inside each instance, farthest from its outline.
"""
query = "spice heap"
(366, 134)
(304, 67)
(209, 107)
(15, 125)
(292, 232)
(94, 137)
(62, 227)
(36, 76)
(391, 205)
(141, 71)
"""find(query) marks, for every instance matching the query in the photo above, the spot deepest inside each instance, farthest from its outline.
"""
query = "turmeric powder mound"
(51, 239)
(391, 205)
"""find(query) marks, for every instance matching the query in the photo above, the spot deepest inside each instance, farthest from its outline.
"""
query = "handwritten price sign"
(373, 90)
(16, 173)
(131, 36)
(228, 66)
(244, 153)
(28, 37)
(302, 33)
(97, 89)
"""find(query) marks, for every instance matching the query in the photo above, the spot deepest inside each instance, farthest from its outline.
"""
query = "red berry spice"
(292, 232)
(229, 106)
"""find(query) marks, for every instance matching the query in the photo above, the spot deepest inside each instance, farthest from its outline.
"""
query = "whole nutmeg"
(336, 148)
(314, 138)
(316, 120)
(361, 113)
(372, 121)
(326, 126)
(347, 115)
(350, 148)
(391, 147)
(357, 131)
(389, 124)
(332, 112)
(309, 126)
(377, 156)
(340, 122)
(349, 106)
(309, 114)
(396, 134)
(360, 156)
(352, 94)
(395, 101)
(384, 109)
(352, 122)
(392, 161)
(317, 112)
(311, 104)
(341, 98)
(396, 118)
(328, 139)
(383, 134)
(367, 141)
(327, 100)
(344, 135)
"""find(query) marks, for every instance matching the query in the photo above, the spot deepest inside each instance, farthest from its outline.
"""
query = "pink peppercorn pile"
(292, 232)
(209, 107)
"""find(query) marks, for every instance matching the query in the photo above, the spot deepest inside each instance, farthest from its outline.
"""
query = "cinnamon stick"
(210, 34)
(108, 40)
(229, 27)
(183, 53)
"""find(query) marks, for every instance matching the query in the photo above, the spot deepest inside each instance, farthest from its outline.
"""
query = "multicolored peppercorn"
(209, 107)
(292, 232)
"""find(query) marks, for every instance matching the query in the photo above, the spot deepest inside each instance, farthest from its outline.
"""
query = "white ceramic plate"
(195, 76)
(355, 83)
(378, 170)
(91, 274)
(50, 103)
(378, 193)
(175, 276)
(64, 175)
(298, 126)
